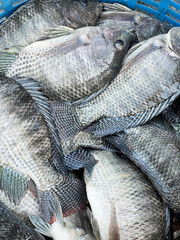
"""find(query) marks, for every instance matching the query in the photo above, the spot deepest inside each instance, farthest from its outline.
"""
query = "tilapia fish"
(30, 20)
(76, 150)
(12, 227)
(117, 16)
(156, 150)
(26, 151)
(148, 82)
(124, 203)
(72, 66)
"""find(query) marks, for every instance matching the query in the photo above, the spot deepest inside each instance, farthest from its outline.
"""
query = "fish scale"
(147, 84)
(72, 66)
(26, 151)
(116, 183)
(29, 22)
(156, 151)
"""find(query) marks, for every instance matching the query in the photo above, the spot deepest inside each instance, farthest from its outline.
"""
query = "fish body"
(11, 227)
(156, 150)
(26, 24)
(148, 82)
(124, 203)
(145, 26)
(25, 155)
(73, 66)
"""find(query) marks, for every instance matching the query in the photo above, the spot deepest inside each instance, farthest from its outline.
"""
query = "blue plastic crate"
(165, 10)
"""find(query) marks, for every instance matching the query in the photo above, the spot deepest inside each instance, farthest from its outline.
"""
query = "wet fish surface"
(11, 227)
(124, 203)
(76, 150)
(147, 83)
(26, 24)
(117, 16)
(73, 66)
(25, 155)
(156, 151)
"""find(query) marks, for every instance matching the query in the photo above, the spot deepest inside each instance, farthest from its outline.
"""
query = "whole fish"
(148, 82)
(76, 150)
(124, 203)
(30, 21)
(25, 154)
(11, 227)
(72, 66)
(117, 16)
(156, 150)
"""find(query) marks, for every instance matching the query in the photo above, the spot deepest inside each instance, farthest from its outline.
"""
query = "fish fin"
(41, 225)
(66, 119)
(70, 192)
(34, 88)
(120, 142)
(8, 57)
(55, 32)
(168, 219)
(94, 224)
(116, 7)
(88, 237)
(79, 159)
(14, 184)
(46, 228)
(109, 126)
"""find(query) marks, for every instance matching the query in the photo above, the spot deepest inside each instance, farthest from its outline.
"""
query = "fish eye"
(119, 44)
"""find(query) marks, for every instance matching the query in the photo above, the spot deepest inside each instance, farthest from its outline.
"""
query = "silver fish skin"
(148, 82)
(155, 149)
(26, 151)
(124, 203)
(73, 66)
(126, 19)
(11, 227)
(26, 24)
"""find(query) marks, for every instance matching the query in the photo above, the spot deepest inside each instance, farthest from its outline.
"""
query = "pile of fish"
(89, 123)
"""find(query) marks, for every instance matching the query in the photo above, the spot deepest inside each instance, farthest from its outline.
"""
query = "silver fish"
(115, 15)
(156, 150)
(72, 66)
(11, 227)
(30, 21)
(148, 82)
(124, 203)
(26, 151)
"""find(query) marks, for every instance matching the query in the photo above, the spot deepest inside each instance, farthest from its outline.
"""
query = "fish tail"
(70, 192)
(50, 229)
(66, 119)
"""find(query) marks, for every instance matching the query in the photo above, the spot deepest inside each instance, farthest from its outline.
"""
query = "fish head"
(122, 20)
(173, 40)
(107, 43)
(81, 13)
(150, 27)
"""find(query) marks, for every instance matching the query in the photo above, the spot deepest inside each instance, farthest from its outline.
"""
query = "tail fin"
(47, 229)
(57, 230)
(71, 193)
(66, 119)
